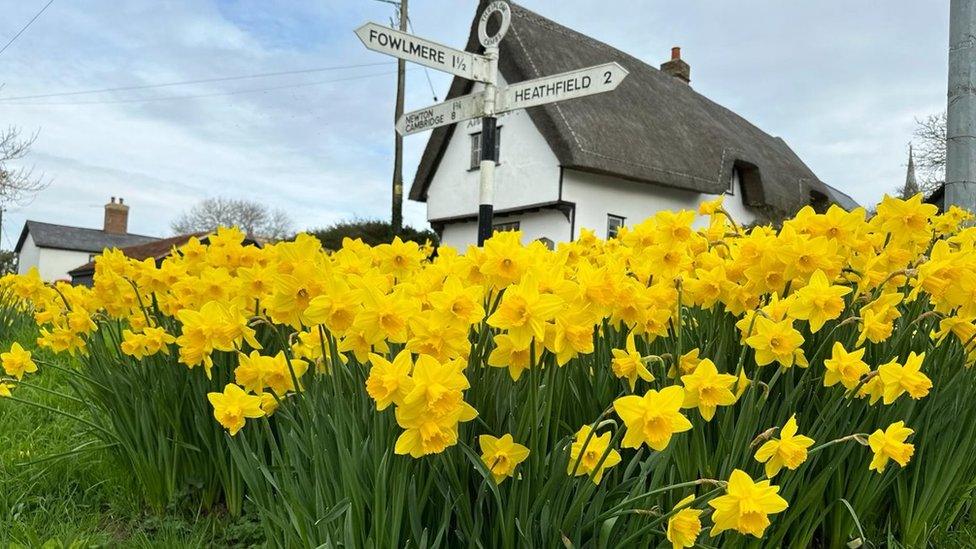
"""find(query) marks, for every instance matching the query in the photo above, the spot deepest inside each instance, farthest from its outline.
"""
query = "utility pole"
(396, 217)
(960, 185)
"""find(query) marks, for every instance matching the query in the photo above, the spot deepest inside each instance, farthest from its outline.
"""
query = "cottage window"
(614, 223)
(476, 148)
(732, 181)
(508, 226)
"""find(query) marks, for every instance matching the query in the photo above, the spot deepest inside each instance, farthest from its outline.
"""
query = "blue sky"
(840, 81)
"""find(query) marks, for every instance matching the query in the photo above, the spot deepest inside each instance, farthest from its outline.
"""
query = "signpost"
(456, 110)
(490, 101)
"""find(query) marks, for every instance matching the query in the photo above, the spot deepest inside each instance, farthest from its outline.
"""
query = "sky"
(841, 81)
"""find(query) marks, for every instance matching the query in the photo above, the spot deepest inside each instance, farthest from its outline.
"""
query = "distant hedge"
(371, 232)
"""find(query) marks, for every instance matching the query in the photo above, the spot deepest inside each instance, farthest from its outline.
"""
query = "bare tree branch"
(930, 150)
(253, 218)
(17, 185)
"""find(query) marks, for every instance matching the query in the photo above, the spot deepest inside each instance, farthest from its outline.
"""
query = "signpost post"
(490, 101)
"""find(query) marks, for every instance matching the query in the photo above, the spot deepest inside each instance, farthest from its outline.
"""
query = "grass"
(83, 499)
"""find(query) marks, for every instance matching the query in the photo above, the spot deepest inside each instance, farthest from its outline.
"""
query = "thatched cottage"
(609, 159)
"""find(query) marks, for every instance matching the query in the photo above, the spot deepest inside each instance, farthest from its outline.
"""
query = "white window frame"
(614, 224)
(476, 149)
(506, 226)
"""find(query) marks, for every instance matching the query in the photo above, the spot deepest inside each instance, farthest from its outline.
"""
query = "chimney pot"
(677, 67)
(116, 217)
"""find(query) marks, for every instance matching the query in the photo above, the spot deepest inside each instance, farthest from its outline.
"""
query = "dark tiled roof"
(63, 237)
(653, 128)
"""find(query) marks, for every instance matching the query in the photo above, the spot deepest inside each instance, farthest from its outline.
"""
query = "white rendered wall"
(55, 264)
(551, 224)
(598, 195)
(30, 255)
(52, 264)
(528, 171)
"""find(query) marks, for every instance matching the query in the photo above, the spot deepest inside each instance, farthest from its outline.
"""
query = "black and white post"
(489, 124)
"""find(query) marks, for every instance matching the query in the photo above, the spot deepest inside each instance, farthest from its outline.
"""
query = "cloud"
(842, 82)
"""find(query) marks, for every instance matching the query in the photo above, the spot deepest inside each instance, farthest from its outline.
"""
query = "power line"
(429, 83)
(29, 23)
(196, 96)
(199, 81)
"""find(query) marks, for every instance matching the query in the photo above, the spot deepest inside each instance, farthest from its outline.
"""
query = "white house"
(57, 249)
(605, 160)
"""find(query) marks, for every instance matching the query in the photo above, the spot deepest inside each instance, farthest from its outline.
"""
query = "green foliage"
(59, 490)
(323, 470)
(8, 262)
(371, 232)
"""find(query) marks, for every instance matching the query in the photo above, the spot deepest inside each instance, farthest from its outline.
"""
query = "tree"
(8, 262)
(930, 151)
(371, 232)
(17, 184)
(254, 218)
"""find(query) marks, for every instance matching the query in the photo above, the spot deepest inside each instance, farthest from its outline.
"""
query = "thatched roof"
(653, 128)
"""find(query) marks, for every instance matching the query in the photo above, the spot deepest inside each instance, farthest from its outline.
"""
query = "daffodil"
(746, 505)
(706, 389)
(684, 526)
(899, 379)
(775, 341)
(591, 454)
(628, 364)
(501, 455)
(389, 382)
(790, 450)
(890, 444)
(845, 367)
(524, 311)
(233, 407)
(819, 301)
(17, 361)
(652, 419)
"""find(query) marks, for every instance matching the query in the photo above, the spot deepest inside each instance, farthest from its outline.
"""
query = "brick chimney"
(676, 67)
(116, 217)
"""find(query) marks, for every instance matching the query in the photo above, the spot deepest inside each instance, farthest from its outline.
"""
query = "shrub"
(806, 386)
(370, 231)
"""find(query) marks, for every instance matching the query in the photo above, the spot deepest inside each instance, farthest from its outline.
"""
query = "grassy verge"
(83, 499)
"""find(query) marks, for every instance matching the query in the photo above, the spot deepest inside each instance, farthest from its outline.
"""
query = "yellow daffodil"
(628, 363)
(233, 407)
(591, 454)
(775, 341)
(706, 389)
(746, 505)
(899, 379)
(507, 354)
(890, 445)
(818, 301)
(653, 418)
(501, 455)
(845, 367)
(17, 361)
(523, 312)
(790, 450)
(685, 525)
(389, 382)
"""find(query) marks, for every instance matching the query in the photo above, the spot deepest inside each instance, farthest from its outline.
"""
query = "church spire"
(911, 183)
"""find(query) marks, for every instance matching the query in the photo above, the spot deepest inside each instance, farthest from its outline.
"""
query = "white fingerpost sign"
(560, 87)
(489, 102)
(455, 110)
(424, 52)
